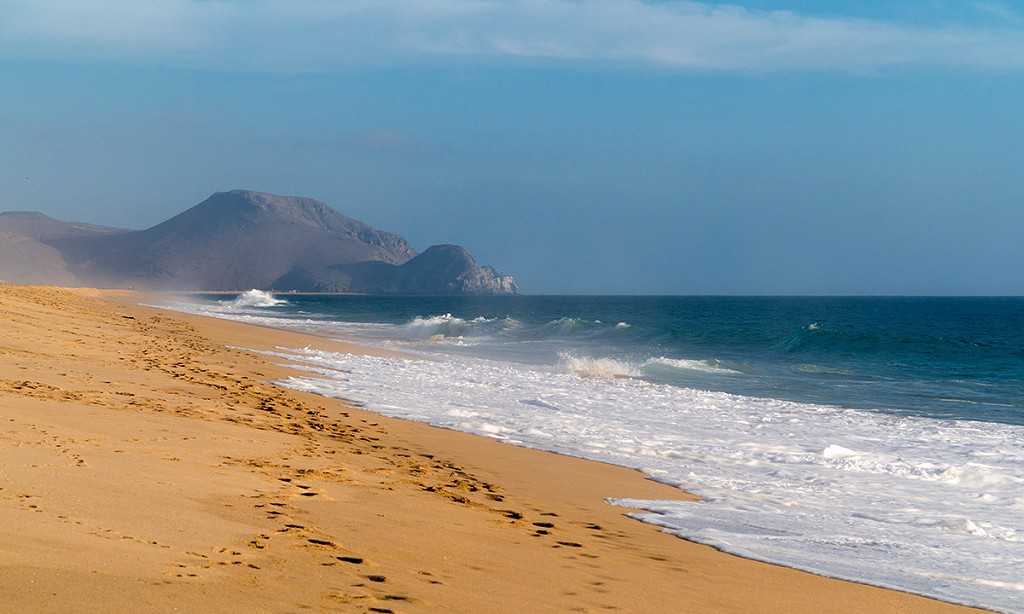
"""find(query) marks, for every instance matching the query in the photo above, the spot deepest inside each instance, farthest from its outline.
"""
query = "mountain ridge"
(242, 239)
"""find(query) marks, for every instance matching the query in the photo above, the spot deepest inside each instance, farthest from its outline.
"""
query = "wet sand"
(146, 466)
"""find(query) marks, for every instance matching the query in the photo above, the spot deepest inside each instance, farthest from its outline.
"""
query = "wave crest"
(602, 368)
(448, 326)
(256, 298)
(709, 365)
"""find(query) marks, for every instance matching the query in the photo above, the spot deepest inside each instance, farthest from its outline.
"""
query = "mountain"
(43, 228)
(26, 258)
(239, 240)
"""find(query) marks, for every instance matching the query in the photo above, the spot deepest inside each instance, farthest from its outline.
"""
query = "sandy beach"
(145, 465)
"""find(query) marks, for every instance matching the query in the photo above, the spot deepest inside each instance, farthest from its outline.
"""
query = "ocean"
(879, 440)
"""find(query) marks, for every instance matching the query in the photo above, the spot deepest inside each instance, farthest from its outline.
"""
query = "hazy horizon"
(591, 147)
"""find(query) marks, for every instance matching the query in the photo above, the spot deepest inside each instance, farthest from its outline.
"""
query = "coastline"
(147, 463)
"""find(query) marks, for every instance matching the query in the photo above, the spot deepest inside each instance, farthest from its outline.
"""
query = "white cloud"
(105, 27)
(324, 35)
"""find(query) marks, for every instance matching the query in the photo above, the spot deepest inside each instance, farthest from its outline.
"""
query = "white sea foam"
(706, 366)
(451, 328)
(435, 326)
(927, 506)
(257, 314)
(595, 367)
(585, 366)
(255, 298)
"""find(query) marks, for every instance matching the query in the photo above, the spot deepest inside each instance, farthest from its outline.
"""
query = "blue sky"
(585, 146)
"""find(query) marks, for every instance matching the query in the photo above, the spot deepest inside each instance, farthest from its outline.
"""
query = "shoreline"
(277, 493)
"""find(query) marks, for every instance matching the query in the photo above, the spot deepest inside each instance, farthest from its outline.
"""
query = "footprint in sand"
(354, 560)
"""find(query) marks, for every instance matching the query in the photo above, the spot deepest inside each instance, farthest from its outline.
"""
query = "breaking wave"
(255, 298)
(709, 365)
(655, 369)
(602, 368)
(448, 326)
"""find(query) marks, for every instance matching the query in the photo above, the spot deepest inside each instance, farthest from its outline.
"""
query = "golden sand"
(147, 467)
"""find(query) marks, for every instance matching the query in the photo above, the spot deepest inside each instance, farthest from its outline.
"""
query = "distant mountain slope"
(242, 239)
(44, 228)
(232, 240)
(25, 258)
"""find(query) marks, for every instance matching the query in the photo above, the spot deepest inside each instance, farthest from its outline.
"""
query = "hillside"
(239, 240)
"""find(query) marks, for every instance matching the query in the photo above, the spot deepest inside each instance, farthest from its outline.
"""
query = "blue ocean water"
(879, 440)
(960, 358)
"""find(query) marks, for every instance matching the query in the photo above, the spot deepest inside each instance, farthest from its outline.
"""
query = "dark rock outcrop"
(449, 269)
(440, 270)
(239, 240)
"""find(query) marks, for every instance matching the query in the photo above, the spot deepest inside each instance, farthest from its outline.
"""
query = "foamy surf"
(596, 367)
(255, 298)
(788, 483)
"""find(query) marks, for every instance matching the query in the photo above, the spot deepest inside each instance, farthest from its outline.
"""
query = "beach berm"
(147, 465)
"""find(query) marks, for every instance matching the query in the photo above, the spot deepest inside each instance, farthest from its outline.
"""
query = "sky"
(583, 146)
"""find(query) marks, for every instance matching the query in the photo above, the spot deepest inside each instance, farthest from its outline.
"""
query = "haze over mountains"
(236, 241)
